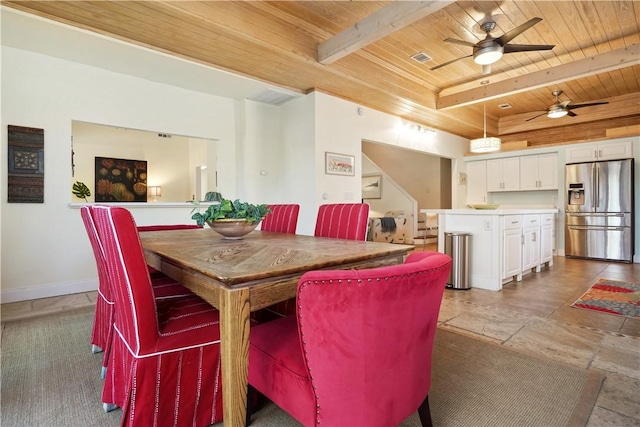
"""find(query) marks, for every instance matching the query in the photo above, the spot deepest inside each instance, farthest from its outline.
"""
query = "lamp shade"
(155, 191)
(485, 145)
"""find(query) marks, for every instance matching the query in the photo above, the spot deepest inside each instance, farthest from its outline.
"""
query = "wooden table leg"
(234, 347)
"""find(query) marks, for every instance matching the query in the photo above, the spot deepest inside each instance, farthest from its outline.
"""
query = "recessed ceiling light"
(504, 106)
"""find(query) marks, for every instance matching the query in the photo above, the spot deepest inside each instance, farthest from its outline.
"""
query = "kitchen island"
(504, 243)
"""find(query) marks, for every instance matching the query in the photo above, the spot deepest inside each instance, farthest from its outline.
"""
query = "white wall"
(44, 245)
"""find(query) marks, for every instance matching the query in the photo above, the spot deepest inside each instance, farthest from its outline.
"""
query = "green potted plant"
(81, 191)
(232, 219)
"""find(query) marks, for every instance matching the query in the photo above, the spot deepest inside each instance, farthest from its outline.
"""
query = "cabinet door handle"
(600, 153)
(533, 236)
(522, 239)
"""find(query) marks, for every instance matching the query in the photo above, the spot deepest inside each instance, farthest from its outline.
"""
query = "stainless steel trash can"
(456, 245)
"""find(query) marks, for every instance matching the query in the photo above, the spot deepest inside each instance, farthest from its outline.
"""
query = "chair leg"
(95, 349)
(103, 372)
(251, 397)
(425, 413)
(108, 407)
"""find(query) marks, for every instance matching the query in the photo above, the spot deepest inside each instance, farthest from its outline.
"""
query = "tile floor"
(533, 316)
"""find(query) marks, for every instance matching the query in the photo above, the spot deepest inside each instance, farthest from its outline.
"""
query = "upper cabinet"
(477, 183)
(503, 174)
(600, 151)
(539, 172)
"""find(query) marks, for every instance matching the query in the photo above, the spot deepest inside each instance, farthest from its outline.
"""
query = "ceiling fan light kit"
(488, 55)
(556, 111)
(485, 144)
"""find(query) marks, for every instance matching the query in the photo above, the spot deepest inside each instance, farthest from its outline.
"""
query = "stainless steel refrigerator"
(599, 210)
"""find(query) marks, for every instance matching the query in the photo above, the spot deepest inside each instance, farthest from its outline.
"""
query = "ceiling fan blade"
(450, 62)
(564, 104)
(571, 114)
(586, 104)
(486, 69)
(510, 35)
(535, 117)
(460, 42)
(510, 48)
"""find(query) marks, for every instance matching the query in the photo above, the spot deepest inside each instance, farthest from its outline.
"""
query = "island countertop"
(498, 211)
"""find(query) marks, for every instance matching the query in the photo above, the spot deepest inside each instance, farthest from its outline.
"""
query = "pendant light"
(484, 144)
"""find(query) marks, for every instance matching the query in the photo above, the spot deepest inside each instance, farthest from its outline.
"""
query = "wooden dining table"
(241, 276)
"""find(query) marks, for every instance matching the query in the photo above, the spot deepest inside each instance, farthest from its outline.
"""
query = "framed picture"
(372, 186)
(120, 180)
(339, 164)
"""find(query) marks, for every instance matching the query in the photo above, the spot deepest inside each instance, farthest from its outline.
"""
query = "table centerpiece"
(232, 219)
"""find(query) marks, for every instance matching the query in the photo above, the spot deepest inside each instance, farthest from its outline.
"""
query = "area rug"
(612, 297)
(50, 378)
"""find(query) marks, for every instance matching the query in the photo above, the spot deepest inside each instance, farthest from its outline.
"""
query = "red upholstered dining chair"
(343, 221)
(358, 352)
(102, 330)
(164, 364)
(282, 219)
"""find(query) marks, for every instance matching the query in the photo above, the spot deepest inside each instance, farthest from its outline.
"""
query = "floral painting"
(339, 164)
(120, 180)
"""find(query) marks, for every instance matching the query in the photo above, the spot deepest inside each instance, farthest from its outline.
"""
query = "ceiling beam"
(376, 26)
(614, 60)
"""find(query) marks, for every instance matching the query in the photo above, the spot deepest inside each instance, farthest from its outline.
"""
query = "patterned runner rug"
(613, 297)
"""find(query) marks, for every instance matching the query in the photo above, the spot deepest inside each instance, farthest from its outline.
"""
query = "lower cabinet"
(547, 237)
(530, 242)
(512, 247)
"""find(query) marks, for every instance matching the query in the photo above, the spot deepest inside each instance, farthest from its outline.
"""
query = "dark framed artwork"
(120, 180)
(25, 178)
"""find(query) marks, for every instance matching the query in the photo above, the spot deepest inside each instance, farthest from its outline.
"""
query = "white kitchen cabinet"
(503, 174)
(539, 172)
(495, 242)
(512, 247)
(547, 239)
(477, 183)
(599, 151)
(530, 243)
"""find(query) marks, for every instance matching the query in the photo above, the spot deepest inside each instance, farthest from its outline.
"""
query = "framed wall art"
(120, 180)
(25, 178)
(372, 186)
(339, 164)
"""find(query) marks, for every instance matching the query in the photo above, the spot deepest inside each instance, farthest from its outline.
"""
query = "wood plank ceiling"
(595, 58)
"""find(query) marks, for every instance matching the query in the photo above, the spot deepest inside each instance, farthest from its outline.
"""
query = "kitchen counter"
(499, 211)
(504, 243)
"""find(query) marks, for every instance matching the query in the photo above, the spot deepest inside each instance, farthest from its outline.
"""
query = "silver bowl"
(232, 229)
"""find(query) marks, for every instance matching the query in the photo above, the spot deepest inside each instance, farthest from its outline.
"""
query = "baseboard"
(46, 291)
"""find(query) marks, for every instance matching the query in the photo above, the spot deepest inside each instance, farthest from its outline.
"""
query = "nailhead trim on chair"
(302, 286)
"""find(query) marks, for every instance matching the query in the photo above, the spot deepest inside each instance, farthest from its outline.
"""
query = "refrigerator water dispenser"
(576, 194)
